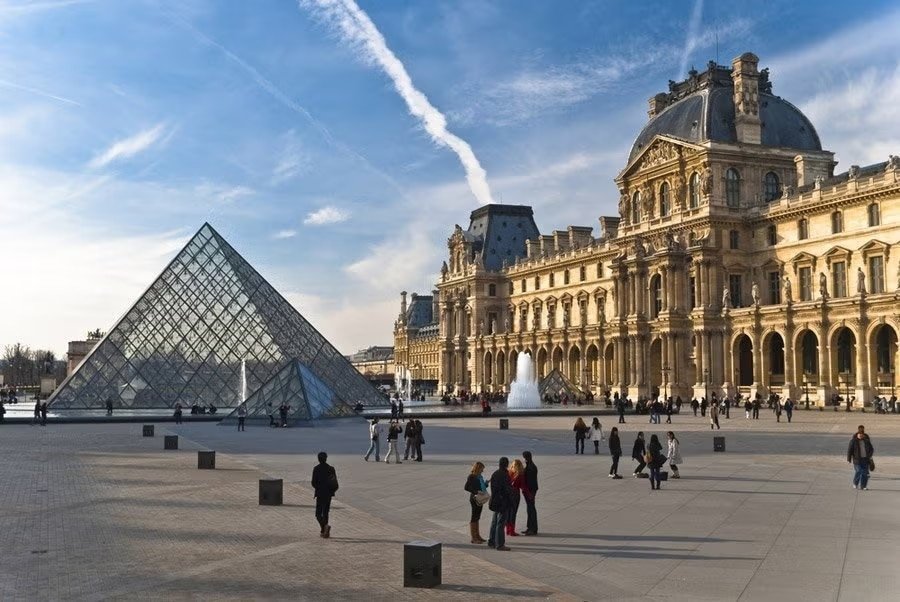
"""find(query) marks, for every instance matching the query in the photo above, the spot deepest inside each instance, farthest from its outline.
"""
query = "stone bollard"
(422, 564)
(271, 492)
(148, 430)
(718, 444)
(504, 424)
(170, 442)
(206, 460)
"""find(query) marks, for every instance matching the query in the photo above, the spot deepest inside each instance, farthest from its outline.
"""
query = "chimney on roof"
(745, 75)
(657, 104)
(403, 303)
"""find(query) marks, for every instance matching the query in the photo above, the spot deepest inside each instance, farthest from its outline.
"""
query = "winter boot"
(476, 536)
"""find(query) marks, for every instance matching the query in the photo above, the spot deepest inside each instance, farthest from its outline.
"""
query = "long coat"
(674, 453)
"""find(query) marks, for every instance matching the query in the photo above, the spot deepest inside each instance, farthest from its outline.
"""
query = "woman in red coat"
(517, 481)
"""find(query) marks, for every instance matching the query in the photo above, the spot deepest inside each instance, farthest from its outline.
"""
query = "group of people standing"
(414, 435)
(647, 455)
(508, 485)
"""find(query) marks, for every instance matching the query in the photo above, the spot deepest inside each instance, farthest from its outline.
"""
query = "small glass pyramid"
(557, 383)
(184, 339)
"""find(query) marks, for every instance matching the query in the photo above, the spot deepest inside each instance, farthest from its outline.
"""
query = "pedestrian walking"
(655, 461)
(789, 409)
(109, 406)
(776, 407)
(420, 440)
(393, 409)
(674, 454)
(44, 414)
(478, 496)
(755, 407)
(517, 483)
(581, 431)
(325, 485)
(621, 408)
(615, 450)
(400, 409)
(694, 405)
(283, 413)
(859, 454)
(596, 434)
(242, 415)
(669, 408)
(727, 402)
(703, 405)
(410, 436)
(714, 417)
(637, 453)
(748, 407)
(37, 411)
(394, 431)
(501, 494)
(374, 436)
(530, 493)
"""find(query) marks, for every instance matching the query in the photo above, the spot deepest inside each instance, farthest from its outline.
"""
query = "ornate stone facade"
(739, 262)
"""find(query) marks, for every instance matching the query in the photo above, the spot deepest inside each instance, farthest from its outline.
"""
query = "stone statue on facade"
(817, 184)
(788, 295)
(638, 248)
(754, 293)
(624, 205)
(481, 327)
(565, 316)
(706, 181)
(726, 298)
(893, 163)
(506, 324)
(853, 172)
(860, 281)
(823, 286)
(494, 326)
(787, 191)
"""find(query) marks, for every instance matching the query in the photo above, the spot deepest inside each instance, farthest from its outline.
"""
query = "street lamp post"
(706, 382)
(847, 390)
(893, 401)
(806, 389)
(665, 375)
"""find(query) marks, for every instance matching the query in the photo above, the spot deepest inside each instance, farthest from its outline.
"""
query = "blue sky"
(336, 143)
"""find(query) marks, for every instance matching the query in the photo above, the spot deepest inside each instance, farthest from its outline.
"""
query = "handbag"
(482, 498)
(871, 465)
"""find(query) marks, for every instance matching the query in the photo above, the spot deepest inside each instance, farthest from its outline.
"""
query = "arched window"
(772, 186)
(837, 222)
(803, 229)
(732, 187)
(636, 208)
(694, 190)
(664, 199)
(874, 215)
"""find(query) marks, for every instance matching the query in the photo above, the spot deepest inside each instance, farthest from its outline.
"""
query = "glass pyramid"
(296, 385)
(557, 383)
(184, 339)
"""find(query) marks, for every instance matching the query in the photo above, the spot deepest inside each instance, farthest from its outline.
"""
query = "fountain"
(523, 392)
(243, 392)
(403, 384)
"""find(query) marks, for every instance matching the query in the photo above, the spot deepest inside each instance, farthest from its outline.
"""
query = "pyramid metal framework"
(184, 339)
(557, 383)
(297, 386)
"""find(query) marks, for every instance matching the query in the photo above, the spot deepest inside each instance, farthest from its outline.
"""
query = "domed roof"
(708, 114)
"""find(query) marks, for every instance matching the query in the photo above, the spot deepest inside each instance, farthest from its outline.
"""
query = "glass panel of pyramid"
(308, 397)
(557, 383)
(183, 341)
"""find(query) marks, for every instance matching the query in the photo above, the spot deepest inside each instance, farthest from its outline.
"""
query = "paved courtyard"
(92, 512)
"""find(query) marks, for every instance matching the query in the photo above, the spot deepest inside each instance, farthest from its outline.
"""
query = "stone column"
(620, 362)
(704, 270)
(640, 296)
(758, 361)
(664, 283)
(640, 352)
(706, 369)
(615, 295)
(698, 282)
(700, 361)
(862, 369)
(789, 364)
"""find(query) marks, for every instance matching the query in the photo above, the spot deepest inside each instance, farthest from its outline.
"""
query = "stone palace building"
(739, 261)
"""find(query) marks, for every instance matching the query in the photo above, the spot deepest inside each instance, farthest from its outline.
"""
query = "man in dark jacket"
(859, 453)
(325, 484)
(531, 489)
(501, 496)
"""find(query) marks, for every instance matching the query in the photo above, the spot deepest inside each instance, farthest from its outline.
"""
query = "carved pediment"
(660, 151)
(566, 298)
(599, 292)
(838, 253)
(875, 247)
(551, 300)
(803, 259)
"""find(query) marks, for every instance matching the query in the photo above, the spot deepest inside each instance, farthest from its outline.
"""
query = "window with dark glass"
(566, 277)
(732, 187)
(774, 288)
(537, 283)
(693, 288)
(552, 279)
(876, 274)
(735, 289)
(582, 273)
(772, 235)
(837, 222)
(694, 191)
(839, 278)
(599, 270)
(510, 289)
(734, 239)
(806, 290)
(524, 286)
(803, 229)
(657, 296)
(874, 215)
(636, 208)
(664, 199)
(845, 344)
(492, 290)
(771, 186)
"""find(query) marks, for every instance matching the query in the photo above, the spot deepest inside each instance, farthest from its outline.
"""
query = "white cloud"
(38, 92)
(222, 193)
(292, 161)
(282, 234)
(691, 41)
(360, 33)
(326, 215)
(129, 147)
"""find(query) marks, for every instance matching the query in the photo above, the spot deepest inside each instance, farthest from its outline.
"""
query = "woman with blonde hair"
(581, 431)
(477, 488)
(517, 482)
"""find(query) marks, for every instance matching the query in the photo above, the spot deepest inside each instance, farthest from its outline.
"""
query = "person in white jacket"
(375, 437)
(596, 435)
(674, 454)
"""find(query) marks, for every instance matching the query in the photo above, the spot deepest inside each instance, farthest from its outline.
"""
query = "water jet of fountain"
(523, 392)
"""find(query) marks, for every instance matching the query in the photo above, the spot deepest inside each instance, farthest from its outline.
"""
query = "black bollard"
(170, 442)
(422, 564)
(148, 430)
(206, 460)
(271, 492)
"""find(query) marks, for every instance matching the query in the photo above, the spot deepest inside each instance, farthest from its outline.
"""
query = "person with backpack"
(615, 450)
(374, 436)
(477, 488)
(637, 453)
(394, 431)
(325, 485)
(655, 461)
(410, 436)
